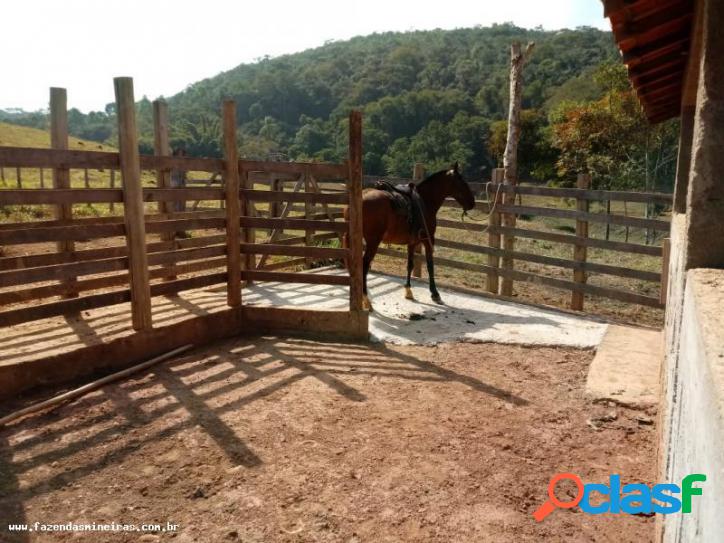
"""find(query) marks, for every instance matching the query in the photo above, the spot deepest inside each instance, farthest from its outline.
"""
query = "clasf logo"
(633, 498)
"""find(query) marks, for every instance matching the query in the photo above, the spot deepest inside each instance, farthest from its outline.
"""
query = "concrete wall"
(696, 409)
(692, 410)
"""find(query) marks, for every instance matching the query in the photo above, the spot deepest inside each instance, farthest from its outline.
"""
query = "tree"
(612, 140)
(403, 81)
(434, 146)
(536, 155)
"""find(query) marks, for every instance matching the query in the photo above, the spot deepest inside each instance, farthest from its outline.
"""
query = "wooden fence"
(95, 261)
(501, 259)
(254, 221)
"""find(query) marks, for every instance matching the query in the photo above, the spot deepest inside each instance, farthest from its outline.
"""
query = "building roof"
(654, 37)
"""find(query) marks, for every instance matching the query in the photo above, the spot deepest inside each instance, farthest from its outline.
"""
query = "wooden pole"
(112, 205)
(665, 256)
(133, 204)
(18, 177)
(580, 251)
(162, 147)
(61, 176)
(418, 174)
(508, 220)
(354, 187)
(277, 186)
(248, 235)
(493, 235)
(308, 212)
(42, 178)
(233, 207)
(94, 385)
(510, 156)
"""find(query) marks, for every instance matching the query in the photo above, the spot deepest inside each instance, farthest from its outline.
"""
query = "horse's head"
(459, 188)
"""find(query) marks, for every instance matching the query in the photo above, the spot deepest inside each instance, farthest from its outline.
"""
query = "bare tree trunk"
(510, 156)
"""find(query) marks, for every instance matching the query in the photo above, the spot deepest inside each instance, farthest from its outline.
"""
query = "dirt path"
(294, 440)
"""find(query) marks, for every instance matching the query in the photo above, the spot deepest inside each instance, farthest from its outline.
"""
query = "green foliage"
(428, 96)
(611, 138)
(536, 156)
(578, 89)
(200, 138)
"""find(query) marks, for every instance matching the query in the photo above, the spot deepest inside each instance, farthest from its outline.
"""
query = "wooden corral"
(73, 264)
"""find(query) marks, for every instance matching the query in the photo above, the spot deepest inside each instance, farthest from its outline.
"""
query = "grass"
(21, 136)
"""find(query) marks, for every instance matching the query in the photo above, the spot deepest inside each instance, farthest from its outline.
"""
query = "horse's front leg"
(369, 255)
(410, 266)
(431, 272)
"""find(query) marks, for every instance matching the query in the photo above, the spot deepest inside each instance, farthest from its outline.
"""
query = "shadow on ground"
(203, 390)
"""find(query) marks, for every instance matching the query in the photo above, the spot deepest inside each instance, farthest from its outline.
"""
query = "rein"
(492, 209)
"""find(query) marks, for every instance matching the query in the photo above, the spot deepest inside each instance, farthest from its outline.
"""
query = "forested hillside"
(428, 96)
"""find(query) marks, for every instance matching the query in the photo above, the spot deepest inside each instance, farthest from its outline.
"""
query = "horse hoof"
(408, 294)
(436, 298)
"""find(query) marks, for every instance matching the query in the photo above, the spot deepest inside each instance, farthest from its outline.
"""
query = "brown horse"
(381, 222)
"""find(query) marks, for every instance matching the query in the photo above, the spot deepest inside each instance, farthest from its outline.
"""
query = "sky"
(165, 45)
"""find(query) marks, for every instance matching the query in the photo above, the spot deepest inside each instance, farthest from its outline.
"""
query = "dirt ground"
(266, 439)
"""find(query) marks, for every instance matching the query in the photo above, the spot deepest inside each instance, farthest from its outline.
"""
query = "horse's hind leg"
(431, 272)
(370, 252)
(410, 265)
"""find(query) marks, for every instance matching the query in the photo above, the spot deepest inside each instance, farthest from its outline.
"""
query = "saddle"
(407, 202)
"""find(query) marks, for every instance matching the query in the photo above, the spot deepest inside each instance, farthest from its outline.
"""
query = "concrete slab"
(627, 367)
(464, 317)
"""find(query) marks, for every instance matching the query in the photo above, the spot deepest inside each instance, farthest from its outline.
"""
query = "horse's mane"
(433, 176)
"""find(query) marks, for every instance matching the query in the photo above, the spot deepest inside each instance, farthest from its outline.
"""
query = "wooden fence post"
(248, 234)
(112, 206)
(308, 212)
(42, 178)
(130, 166)
(277, 186)
(418, 174)
(518, 58)
(61, 176)
(493, 233)
(508, 220)
(162, 147)
(665, 256)
(233, 208)
(579, 251)
(18, 177)
(354, 188)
